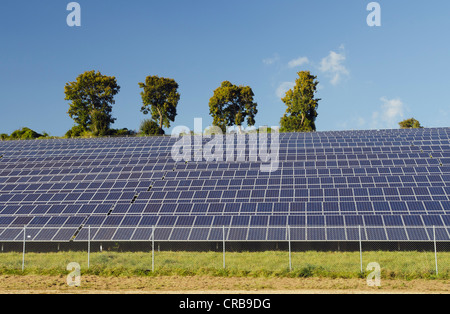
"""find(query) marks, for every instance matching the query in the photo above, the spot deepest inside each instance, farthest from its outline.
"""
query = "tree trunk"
(160, 119)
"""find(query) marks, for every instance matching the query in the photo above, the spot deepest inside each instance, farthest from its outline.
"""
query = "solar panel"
(393, 183)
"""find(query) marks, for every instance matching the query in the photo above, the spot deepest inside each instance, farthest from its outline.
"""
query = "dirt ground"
(214, 285)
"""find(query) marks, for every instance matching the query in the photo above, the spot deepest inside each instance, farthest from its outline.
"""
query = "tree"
(410, 124)
(160, 98)
(301, 105)
(150, 127)
(231, 105)
(75, 131)
(25, 134)
(92, 93)
(121, 132)
(100, 123)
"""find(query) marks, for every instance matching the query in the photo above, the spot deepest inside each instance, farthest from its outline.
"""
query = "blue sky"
(370, 77)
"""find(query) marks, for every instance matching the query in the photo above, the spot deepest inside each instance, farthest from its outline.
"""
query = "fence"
(334, 251)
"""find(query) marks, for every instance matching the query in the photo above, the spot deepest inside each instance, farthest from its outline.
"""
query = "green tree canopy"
(150, 127)
(301, 112)
(410, 124)
(23, 134)
(100, 122)
(231, 105)
(160, 98)
(92, 93)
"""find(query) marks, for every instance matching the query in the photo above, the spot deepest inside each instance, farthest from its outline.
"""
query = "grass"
(394, 265)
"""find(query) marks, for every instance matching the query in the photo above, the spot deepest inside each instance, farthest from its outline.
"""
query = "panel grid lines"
(394, 183)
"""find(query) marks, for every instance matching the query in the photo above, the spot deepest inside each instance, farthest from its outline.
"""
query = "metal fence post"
(223, 246)
(153, 249)
(360, 249)
(89, 246)
(435, 250)
(23, 254)
(290, 251)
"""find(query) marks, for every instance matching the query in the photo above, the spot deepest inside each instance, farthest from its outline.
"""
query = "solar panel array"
(394, 184)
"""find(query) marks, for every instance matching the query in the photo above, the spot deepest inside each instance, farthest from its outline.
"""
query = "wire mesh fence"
(279, 250)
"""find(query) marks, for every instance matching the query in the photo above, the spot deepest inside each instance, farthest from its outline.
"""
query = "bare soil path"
(214, 285)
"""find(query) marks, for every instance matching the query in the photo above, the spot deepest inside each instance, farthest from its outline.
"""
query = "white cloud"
(283, 88)
(272, 60)
(333, 66)
(360, 121)
(389, 115)
(298, 62)
(392, 108)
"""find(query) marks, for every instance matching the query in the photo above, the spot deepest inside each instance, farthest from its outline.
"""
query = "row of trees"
(92, 95)
(91, 99)
(23, 134)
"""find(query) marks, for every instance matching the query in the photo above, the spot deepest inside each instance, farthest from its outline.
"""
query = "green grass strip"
(394, 265)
